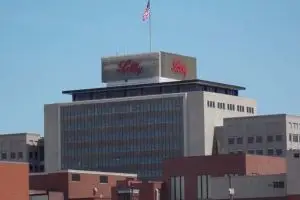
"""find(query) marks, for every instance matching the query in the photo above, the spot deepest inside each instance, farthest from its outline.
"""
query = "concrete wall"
(214, 116)
(247, 186)
(292, 130)
(18, 142)
(194, 124)
(52, 137)
(293, 175)
(244, 127)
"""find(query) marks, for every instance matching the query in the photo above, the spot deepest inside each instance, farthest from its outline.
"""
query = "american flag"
(146, 14)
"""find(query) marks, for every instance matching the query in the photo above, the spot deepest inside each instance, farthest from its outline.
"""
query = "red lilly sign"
(129, 66)
(179, 67)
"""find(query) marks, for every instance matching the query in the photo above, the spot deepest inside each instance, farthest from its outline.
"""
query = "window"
(295, 138)
(221, 105)
(251, 151)
(296, 155)
(259, 152)
(210, 104)
(230, 140)
(4, 156)
(270, 138)
(278, 138)
(203, 186)
(250, 140)
(30, 155)
(290, 137)
(240, 108)
(177, 188)
(231, 107)
(42, 168)
(270, 152)
(20, 155)
(103, 179)
(239, 140)
(278, 152)
(75, 177)
(258, 139)
(30, 168)
(12, 155)
(250, 110)
(278, 184)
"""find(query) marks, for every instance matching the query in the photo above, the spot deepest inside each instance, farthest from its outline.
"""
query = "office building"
(269, 135)
(23, 147)
(153, 108)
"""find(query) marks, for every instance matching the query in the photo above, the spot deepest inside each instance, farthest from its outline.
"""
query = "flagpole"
(150, 35)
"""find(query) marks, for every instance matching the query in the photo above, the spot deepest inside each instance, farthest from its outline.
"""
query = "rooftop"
(87, 172)
(173, 83)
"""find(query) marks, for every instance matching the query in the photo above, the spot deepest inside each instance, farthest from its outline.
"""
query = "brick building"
(76, 184)
(243, 176)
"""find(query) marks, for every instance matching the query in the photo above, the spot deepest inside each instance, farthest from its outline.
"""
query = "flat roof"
(19, 134)
(87, 172)
(173, 83)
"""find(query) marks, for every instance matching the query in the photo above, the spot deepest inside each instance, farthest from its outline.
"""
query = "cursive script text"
(179, 67)
(130, 66)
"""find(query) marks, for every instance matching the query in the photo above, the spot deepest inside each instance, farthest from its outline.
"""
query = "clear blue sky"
(49, 46)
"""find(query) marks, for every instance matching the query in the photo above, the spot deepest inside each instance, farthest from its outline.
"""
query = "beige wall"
(293, 128)
(214, 116)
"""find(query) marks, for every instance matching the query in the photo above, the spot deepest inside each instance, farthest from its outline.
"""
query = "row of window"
(254, 139)
(270, 152)
(151, 90)
(294, 125)
(20, 156)
(149, 105)
(231, 107)
(293, 137)
(106, 123)
(102, 179)
(13, 155)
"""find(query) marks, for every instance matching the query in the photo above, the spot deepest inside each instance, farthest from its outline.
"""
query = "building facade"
(269, 135)
(133, 128)
(210, 177)
(23, 147)
(74, 184)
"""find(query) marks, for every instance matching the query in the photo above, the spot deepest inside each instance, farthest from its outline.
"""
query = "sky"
(50, 46)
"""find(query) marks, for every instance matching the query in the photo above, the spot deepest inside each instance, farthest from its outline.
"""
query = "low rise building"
(76, 184)
(269, 135)
(23, 147)
(242, 176)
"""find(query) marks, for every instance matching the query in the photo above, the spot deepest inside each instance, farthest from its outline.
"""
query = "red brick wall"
(75, 189)
(14, 181)
(84, 188)
(267, 165)
(50, 182)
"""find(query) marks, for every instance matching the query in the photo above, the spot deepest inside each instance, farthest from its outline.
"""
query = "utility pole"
(230, 189)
